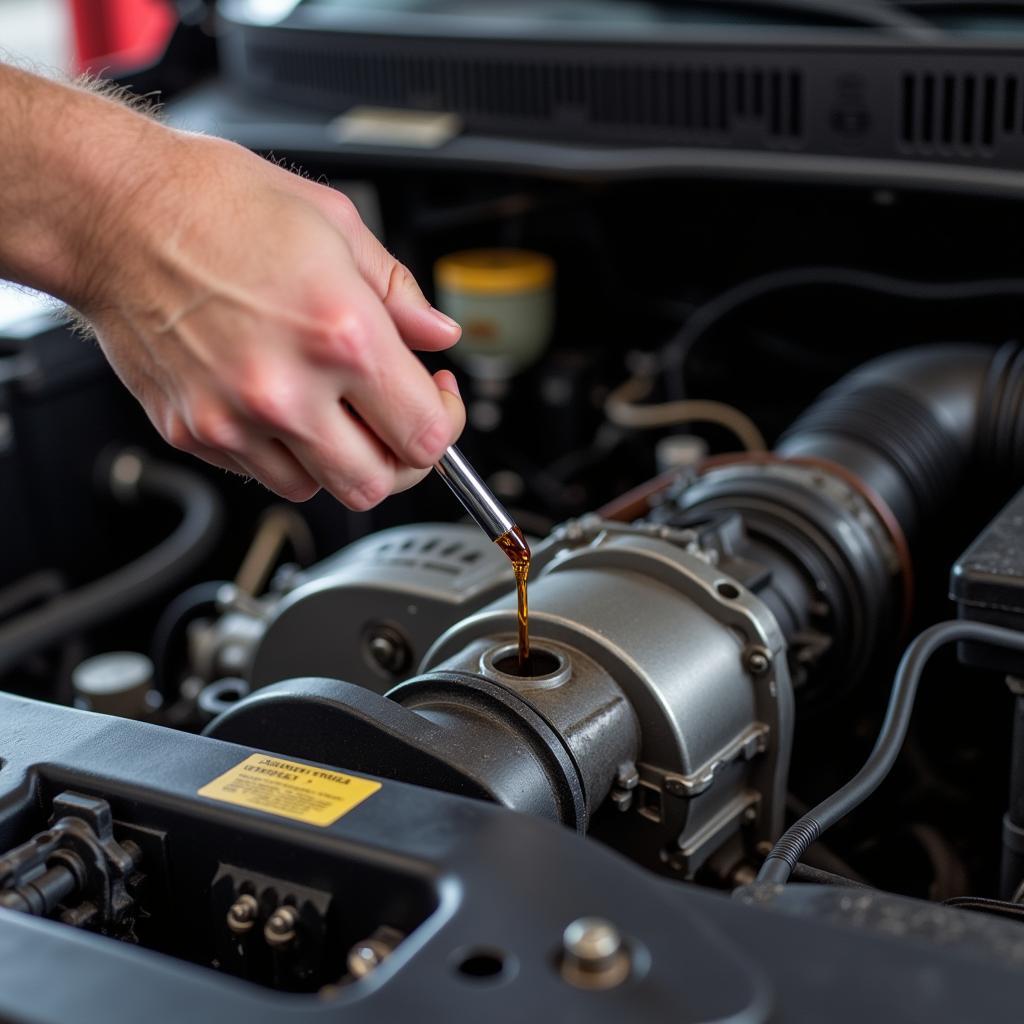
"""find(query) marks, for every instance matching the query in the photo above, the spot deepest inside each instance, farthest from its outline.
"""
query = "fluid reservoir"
(505, 301)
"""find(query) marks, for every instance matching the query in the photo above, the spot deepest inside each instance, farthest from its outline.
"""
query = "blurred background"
(81, 35)
(68, 37)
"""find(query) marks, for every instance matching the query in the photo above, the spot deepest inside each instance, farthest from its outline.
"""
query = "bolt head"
(365, 957)
(281, 927)
(593, 954)
(242, 914)
(383, 648)
(591, 940)
(388, 650)
(758, 660)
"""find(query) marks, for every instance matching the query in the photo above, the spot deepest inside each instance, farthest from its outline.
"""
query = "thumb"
(407, 476)
(449, 388)
(422, 327)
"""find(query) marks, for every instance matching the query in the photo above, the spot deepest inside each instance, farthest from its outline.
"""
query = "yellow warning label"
(300, 791)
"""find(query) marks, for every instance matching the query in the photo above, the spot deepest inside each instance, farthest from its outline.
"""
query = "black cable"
(820, 856)
(984, 905)
(794, 842)
(138, 581)
(819, 876)
(671, 358)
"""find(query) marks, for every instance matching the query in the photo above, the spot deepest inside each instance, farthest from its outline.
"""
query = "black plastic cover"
(987, 583)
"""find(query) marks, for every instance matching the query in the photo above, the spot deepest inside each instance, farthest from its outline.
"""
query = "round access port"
(215, 698)
(546, 667)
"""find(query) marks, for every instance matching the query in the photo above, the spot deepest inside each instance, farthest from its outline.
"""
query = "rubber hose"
(909, 424)
(131, 474)
(794, 842)
(169, 635)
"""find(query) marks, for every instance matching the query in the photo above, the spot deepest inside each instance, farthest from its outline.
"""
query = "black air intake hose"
(131, 474)
(908, 424)
(893, 438)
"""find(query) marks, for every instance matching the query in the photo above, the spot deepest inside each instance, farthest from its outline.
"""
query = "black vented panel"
(850, 97)
(960, 112)
(702, 100)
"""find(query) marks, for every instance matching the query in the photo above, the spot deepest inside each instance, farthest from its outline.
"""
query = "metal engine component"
(573, 699)
(367, 614)
(552, 746)
(756, 574)
(75, 867)
(701, 661)
(660, 717)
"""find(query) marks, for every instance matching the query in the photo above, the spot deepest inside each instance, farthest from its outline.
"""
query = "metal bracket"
(745, 747)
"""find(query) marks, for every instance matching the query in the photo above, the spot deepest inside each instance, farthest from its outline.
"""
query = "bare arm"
(257, 320)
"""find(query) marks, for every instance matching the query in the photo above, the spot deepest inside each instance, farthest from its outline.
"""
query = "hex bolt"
(281, 928)
(758, 660)
(366, 956)
(388, 650)
(242, 914)
(593, 954)
(626, 776)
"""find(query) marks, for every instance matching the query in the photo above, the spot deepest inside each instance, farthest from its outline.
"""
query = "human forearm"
(70, 160)
(260, 324)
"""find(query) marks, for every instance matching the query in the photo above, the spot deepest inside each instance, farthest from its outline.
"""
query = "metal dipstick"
(475, 495)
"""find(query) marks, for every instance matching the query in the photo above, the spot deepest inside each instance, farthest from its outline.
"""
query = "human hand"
(264, 329)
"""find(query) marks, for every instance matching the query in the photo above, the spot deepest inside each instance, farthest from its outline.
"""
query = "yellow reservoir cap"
(494, 271)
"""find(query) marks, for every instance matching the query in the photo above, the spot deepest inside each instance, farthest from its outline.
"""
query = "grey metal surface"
(701, 661)
(706, 674)
(415, 580)
(579, 700)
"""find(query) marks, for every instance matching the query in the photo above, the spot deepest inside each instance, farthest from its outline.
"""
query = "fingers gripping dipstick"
(491, 516)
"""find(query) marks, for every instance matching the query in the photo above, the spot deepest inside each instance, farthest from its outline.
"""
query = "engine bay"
(765, 761)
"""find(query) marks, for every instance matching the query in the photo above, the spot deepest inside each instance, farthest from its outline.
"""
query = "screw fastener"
(366, 956)
(388, 650)
(593, 954)
(757, 660)
(282, 927)
(242, 914)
